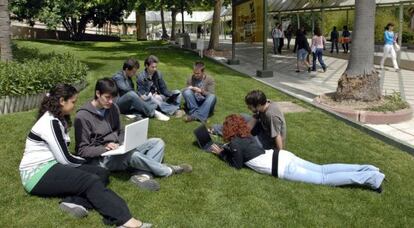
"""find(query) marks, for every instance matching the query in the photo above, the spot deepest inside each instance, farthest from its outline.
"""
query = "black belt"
(275, 161)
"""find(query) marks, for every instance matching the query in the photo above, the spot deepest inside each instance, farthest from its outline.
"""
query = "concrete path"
(306, 85)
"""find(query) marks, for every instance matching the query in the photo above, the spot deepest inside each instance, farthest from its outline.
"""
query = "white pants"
(389, 50)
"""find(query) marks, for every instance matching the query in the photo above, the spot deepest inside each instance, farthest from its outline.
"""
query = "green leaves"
(35, 73)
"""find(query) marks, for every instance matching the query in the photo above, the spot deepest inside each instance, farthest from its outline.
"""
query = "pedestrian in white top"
(389, 42)
(318, 44)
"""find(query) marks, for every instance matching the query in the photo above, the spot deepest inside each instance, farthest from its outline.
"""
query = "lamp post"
(264, 72)
(233, 60)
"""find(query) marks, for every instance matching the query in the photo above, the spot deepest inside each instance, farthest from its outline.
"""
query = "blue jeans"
(297, 169)
(168, 108)
(147, 157)
(318, 54)
(199, 106)
(131, 103)
(275, 45)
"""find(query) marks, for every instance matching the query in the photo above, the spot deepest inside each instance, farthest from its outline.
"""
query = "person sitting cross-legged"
(98, 129)
(48, 169)
(129, 101)
(151, 84)
(199, 95)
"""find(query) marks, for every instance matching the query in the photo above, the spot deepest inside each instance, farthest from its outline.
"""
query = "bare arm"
(279, 142)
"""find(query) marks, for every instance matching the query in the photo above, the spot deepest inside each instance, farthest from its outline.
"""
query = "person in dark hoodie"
(303, 50)
(129, 101)
(243, 150)
(98, 129)
(151, 84)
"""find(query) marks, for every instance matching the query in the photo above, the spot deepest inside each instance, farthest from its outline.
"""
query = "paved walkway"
(306, 86)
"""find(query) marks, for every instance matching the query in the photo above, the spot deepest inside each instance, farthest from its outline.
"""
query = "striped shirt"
(46, 145)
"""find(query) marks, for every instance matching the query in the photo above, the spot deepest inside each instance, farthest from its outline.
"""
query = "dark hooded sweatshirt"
(94, 130)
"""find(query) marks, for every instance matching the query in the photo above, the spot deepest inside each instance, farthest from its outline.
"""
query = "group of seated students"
(152, 97)
(48, 169)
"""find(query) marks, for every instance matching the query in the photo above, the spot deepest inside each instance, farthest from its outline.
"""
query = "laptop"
(203, 138)
(136, 134)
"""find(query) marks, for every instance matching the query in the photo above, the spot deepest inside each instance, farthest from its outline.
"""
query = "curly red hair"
(235, 125)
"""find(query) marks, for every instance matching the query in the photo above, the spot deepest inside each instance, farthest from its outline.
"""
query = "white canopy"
(304, 5)
(195, 17)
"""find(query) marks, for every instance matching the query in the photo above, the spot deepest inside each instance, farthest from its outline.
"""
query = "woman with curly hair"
(48, 169)
(243, 149)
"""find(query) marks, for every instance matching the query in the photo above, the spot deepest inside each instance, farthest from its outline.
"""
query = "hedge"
(33, 73)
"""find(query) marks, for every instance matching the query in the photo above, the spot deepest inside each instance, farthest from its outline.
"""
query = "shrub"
(33, 73)
(392, 103)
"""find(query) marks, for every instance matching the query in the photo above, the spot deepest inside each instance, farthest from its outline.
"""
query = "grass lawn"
(215, 195)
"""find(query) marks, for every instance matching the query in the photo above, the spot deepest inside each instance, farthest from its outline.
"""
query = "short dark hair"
(150, 60)
(130, 64)
(106, 85)
(199, 65)
(255, 98)
(389, 25)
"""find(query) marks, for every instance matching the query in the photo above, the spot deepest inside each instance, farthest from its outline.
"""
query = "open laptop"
(203, 138)
(135, 135)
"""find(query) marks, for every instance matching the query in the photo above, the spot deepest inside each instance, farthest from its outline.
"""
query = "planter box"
(11, 104)
(370, 117)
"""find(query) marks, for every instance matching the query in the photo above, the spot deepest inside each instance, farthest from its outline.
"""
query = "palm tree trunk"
(164, 30)
(360, 81)
(215, 29)
(5, 32)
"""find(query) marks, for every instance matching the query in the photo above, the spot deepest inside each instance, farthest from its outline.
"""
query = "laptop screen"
(202, 135)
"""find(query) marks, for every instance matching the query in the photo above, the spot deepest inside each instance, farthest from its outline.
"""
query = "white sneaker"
(161, 116)
(75, 210)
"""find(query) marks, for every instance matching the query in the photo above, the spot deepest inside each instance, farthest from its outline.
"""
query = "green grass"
(215, 195)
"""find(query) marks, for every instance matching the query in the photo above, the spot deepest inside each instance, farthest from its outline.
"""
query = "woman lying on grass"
(243, 149)
(49, 170)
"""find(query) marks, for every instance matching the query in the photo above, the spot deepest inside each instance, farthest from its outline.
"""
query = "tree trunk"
(360, 81)
(173, 22)
(141, 22)
(5, 32)
(215, 29)
(182, 16)
(164, 35)
(412, 18)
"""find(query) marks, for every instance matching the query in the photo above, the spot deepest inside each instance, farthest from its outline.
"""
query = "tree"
(411, 12)
(215, 29)
(5, 32)
(360, 80)
(164, 30)
(73, 15)
(140, 22)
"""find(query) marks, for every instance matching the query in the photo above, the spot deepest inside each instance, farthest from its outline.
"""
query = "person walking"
(275, 38)
(288, 35)
(318, 43)
(303, 50)
(389, 42)
(346, 39)
(334, 39)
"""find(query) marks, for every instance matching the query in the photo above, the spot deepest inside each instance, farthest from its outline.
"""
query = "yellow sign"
(249, 21)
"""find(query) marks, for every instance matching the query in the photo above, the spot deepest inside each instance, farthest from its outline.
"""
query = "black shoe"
(309, 69)
(378, 190)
